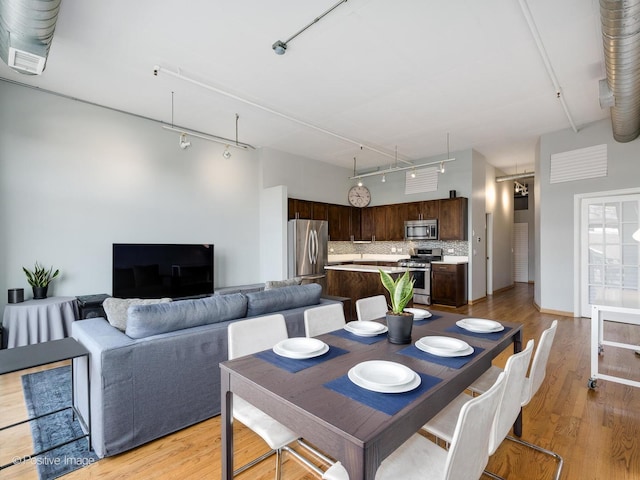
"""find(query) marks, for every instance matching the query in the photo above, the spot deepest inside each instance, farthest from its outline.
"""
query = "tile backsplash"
(454, 248)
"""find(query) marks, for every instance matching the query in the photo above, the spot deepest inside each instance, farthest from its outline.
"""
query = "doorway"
(609, 256)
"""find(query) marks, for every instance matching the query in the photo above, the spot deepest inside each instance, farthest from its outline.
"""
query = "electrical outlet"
(450, 250)
(331, 250)
(400, 250)
(393, 249)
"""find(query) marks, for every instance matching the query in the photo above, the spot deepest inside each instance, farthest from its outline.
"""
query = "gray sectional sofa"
(161, 374)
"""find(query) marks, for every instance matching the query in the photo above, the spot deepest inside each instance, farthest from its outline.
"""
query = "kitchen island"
(358, 281)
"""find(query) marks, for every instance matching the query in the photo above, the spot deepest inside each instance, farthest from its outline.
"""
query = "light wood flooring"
(596, 431)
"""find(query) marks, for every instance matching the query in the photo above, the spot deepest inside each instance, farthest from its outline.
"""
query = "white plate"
(480, 325)
(444, 353)
(365, 328)
(444, 344)
(384, 377)
(418, 313)
(301, 347)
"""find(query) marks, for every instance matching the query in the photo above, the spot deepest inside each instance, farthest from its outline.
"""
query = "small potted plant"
(39, 279)
(399, 322)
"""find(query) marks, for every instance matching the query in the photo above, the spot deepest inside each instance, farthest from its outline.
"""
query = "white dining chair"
(419, 458)
(324, 319)
(245, 338)
(370, 308)
(532, 384)
(442, 426)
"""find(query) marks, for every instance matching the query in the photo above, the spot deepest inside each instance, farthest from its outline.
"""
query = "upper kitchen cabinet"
(339, 222)
(307, 210)
(356, 223)
(379, 222)
(395, 215)
(367, 230)
(427, 210)
(452, 219)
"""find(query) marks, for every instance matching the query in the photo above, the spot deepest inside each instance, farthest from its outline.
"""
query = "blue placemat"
(484, 336)
(389, 403)
(451, 362)
(427, 320)
(358, 338)
(294, 365)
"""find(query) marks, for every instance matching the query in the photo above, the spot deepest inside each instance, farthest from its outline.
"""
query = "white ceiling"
(384, 73)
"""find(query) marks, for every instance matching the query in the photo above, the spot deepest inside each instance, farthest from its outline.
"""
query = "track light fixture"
(384, 178)
(226, 154)
(184, 144)
(441, 167)
(413, 173)
(280, 47)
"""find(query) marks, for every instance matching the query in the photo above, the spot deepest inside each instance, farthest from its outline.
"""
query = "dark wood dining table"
(356, 434)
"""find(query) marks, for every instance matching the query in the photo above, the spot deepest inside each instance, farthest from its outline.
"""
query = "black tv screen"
(144, 270)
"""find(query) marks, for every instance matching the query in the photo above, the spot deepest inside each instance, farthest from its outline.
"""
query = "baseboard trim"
(553, 312)
(504, 289)
(477, 300)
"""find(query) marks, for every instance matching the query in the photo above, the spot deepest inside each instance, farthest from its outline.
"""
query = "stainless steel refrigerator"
(308, 244)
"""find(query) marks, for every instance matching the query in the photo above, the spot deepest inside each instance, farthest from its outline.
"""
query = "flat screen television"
(145, 270)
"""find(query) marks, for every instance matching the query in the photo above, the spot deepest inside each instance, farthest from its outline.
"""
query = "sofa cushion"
(271, 284)
(116, 309)
(261, 303)
(147, 320)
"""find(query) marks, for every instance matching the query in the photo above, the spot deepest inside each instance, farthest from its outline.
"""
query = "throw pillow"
(116, 309)
(271, 284)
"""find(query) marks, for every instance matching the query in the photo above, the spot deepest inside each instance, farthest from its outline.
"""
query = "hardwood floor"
(596, 431)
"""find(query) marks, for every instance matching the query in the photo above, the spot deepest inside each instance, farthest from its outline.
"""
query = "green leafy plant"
(400, 290)
(40, 276)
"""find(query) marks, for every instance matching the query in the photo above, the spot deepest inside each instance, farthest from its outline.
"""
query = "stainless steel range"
(420, 267)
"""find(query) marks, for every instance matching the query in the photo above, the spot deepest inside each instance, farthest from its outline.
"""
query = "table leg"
(517, 347)
(226, 424)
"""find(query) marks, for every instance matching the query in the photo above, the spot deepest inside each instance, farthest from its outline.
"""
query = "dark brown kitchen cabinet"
(356, 223)
(339, 222)
(395, 215)
(367, 230)
(452, 219)
(449, 284)
(427, 210)
(307, 210)
(380, 223)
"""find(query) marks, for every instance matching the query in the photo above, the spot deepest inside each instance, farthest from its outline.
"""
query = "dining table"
(316, 398)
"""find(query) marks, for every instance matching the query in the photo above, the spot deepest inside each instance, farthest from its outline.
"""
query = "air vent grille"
(590, 162)
(426, 180)
(25, 61)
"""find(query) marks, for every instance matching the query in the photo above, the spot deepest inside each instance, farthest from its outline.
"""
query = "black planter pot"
(400, 327)
(39, 292)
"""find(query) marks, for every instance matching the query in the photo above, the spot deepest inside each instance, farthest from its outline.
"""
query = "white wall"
(273, 233)
(499, 202)
(477, 229)
(75, 178)
(555, 231)
(305, 179)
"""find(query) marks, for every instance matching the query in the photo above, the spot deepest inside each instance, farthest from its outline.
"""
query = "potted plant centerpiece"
(39, 279)
(399, 322)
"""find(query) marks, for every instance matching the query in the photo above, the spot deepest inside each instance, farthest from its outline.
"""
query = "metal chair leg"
(557, 457)
(253, 462)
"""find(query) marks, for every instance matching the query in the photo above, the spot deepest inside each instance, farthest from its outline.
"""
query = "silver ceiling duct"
(26, 31)
(621, 41)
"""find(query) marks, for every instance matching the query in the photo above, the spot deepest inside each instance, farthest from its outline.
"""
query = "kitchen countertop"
(369, 257)
(452, 260)
(365, 268)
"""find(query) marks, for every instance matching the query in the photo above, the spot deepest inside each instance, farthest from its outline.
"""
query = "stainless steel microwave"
(421, 230)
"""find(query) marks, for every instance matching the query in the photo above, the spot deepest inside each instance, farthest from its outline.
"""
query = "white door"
(521, 252)
(609, 256)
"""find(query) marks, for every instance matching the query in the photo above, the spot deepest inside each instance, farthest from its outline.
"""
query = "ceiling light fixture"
(226, 154)
(205, 136)
(384, 178)
(158, 69)
(280, 47)
(184, 144)
(410, 166)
